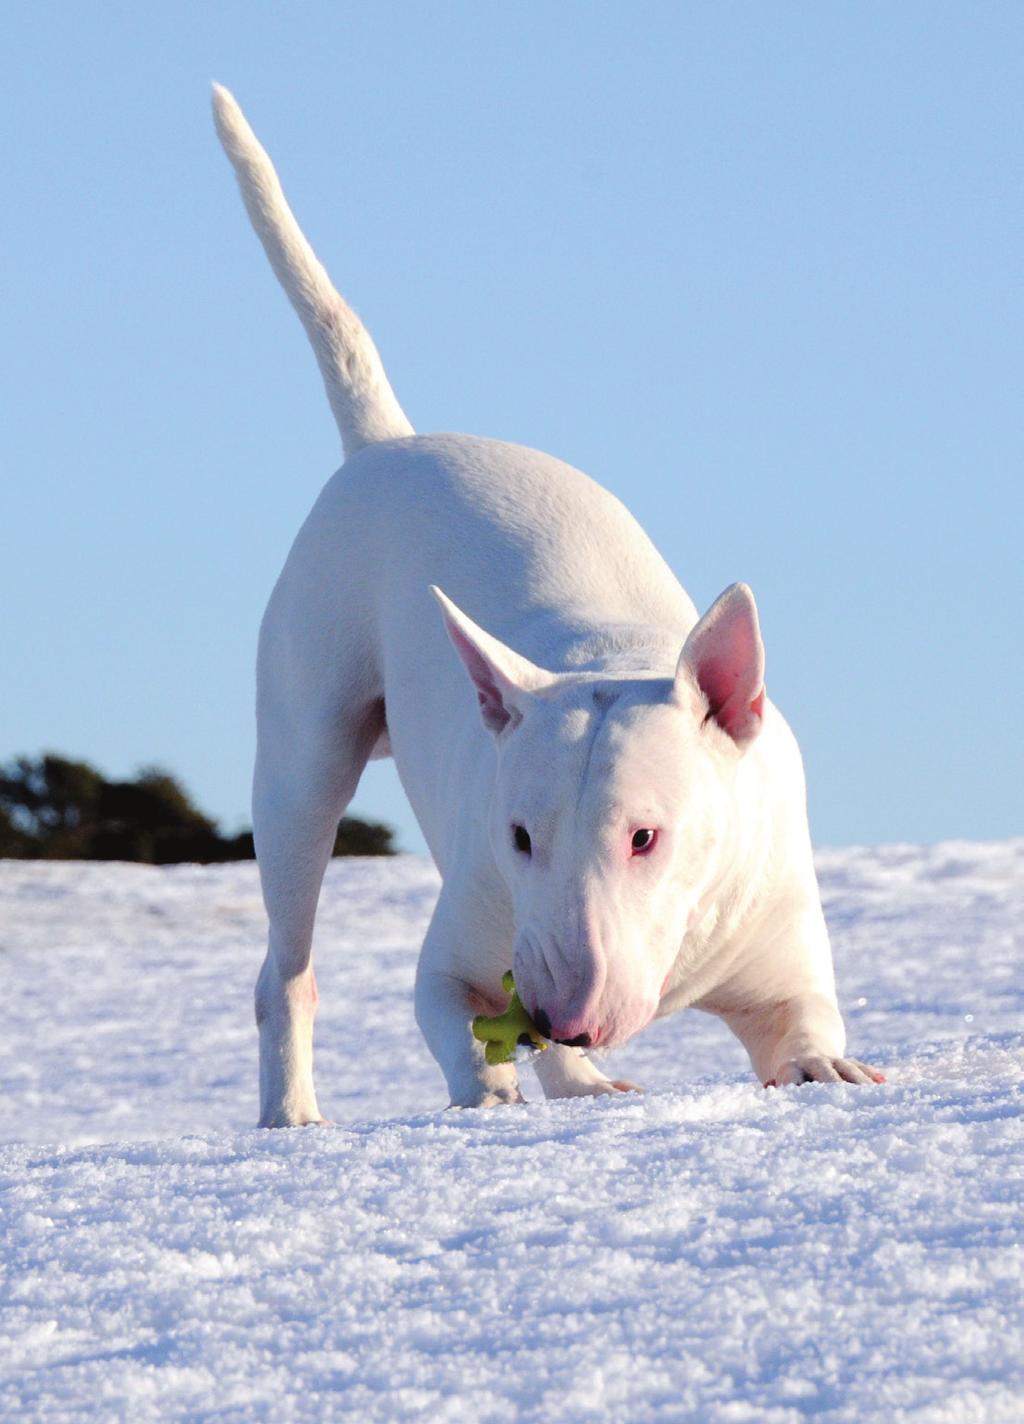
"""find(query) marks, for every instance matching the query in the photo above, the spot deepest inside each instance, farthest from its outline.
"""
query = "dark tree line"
(55, 809)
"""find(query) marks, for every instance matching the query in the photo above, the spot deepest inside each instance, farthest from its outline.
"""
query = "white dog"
(618, 814)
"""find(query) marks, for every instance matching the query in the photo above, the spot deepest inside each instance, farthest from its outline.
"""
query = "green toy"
(502, 1033)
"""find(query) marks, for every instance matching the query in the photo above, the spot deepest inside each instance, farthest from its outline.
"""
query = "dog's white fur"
(604, 709)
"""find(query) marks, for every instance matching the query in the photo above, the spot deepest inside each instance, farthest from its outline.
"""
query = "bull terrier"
(616, 808)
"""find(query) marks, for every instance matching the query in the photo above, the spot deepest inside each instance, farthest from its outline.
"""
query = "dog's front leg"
(444, 1013)
(797, 1040)
(445, 1006)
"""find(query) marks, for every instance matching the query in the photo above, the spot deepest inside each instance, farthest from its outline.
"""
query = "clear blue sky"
(757, 268)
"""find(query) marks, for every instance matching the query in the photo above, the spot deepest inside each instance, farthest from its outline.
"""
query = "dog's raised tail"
(360, 393)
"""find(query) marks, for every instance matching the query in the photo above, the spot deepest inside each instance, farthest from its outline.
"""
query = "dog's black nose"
(582, 1040)
(543, 1023)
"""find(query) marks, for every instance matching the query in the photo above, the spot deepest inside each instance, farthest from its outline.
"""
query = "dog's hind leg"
(306, 774)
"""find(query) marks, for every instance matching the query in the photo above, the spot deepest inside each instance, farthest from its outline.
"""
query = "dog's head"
(611, 802)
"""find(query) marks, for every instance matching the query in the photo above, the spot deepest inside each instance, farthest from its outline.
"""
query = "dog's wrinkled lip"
(582, 1040)
(605, 1035)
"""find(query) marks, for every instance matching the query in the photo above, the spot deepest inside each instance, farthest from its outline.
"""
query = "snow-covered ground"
(710, 1252)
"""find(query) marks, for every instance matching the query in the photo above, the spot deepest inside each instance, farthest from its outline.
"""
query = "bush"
(52, 808)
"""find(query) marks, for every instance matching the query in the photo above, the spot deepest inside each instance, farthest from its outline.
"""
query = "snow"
(709, 1252)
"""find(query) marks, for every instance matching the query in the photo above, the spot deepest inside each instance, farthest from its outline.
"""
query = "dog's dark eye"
(521, 838)
(643, 841)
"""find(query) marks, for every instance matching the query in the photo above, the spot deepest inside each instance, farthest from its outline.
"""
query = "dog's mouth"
(602, 1031)
(588, 1038)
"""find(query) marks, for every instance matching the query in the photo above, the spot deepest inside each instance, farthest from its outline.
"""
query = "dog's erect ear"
(503, 679)
(725, 656)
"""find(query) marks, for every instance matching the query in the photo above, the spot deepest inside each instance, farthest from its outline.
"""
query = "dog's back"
(532, 548)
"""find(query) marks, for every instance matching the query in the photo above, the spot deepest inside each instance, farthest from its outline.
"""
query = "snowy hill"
(709, 1252)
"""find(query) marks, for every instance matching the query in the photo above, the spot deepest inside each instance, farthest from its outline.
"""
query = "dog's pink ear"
(504, 680)
(725, 656)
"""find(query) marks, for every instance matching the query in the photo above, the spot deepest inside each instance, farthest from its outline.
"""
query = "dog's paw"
(282, 1121)
(492, 1098)
(812, 1069)
(618, 1085)
(599, 1088)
